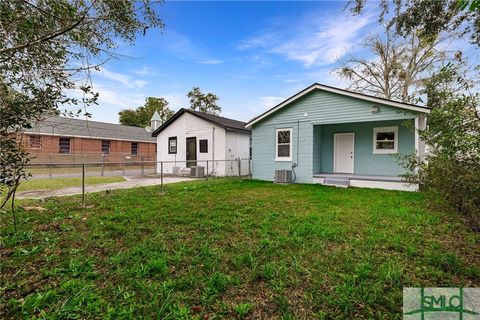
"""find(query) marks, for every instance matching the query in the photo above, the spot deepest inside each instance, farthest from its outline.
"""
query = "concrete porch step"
(342, 183)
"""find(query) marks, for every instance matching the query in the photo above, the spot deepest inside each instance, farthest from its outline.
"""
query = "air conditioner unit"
(283, 176)
(197, 172)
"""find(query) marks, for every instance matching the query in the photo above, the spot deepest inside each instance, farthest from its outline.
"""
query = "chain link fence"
(52, 179)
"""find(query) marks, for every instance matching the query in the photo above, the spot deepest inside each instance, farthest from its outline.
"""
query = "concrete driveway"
(130, 183)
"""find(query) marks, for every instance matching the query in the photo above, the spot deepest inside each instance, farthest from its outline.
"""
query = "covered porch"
(363, 154)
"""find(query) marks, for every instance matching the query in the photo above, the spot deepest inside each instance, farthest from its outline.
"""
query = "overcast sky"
(251, 54)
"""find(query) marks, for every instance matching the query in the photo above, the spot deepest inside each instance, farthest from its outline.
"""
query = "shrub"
(451, 168)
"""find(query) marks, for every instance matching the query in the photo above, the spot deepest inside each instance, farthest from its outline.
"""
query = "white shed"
(190, 139)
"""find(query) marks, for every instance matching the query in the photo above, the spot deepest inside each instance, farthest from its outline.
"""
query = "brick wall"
(89, 150)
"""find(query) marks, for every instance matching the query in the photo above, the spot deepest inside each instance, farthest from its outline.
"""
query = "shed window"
(172, 145)
(283, 144)
(64, 145)
(134, 149)
(35, 142)
(105, 147)
(385, 140)
(203, 146)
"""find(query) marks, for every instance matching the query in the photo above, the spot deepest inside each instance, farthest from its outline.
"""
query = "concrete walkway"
(130, 183)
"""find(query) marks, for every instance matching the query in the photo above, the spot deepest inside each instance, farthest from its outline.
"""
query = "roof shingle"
(227, 123)
(92, 129)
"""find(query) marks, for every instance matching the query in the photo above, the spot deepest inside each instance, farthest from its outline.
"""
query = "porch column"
(420, 125)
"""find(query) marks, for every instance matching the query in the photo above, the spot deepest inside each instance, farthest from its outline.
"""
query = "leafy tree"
(48, 49)
(141, 116)
(451, 168)
(206, 103)
(430, 16)
(398, 68)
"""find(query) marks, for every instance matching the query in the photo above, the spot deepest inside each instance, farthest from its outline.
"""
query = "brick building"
(71, 140)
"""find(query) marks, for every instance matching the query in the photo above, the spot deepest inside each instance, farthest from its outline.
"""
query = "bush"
(451, 168)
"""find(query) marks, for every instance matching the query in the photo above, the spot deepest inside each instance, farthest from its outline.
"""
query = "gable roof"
(226, 123)
(318, 86)
(73, 127)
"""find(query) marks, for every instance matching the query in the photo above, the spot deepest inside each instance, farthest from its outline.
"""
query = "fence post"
(143, 165)
(239, 163)
(83, 184)
(161, 175)
(207, 171)
(50, 166)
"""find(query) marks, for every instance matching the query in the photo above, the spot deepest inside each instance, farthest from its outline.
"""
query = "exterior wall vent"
(283, 176)
(197, 172)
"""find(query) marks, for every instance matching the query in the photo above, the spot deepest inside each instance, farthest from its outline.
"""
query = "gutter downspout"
(295, 164)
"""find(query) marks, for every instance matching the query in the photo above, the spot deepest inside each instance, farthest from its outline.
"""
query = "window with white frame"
(385, 140)
(283, 145)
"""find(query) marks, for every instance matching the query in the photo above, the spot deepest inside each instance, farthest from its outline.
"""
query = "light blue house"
(336, 137)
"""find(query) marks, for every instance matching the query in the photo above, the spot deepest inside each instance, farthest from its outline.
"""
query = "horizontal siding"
(326, 107)
(263, 152)
(365, 161)
(315, 109)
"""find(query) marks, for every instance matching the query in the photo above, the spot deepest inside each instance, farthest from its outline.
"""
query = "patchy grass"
(60, 183)
(231, 249)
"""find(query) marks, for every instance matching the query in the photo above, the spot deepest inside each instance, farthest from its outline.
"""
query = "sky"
(252, 55)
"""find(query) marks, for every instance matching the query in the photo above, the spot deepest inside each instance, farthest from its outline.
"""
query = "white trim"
(341, 92)
(85, 137)
(395, 141)
(277, 158)
(417, 137)
(335, 151)
(385, 185)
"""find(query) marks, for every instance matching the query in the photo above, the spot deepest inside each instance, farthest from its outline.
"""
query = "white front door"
(343, 152)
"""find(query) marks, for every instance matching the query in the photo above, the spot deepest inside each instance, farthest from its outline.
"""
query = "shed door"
(191, 152)
(343, 152)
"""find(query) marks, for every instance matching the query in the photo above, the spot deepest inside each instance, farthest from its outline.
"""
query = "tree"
(451, 169)
(399, 66)
(48, 49)
(141, 116)
(431, 17)
(206, 103)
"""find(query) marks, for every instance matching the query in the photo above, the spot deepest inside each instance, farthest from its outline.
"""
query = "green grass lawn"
(231, 249)
(59, 183)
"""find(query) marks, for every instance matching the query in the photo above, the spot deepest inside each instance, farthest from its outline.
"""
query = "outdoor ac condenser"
(283, 176)
(197, 172)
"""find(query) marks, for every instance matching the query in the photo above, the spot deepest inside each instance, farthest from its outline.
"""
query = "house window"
(385, 140)
(172, 145)
(105, 147)
(203, 146)
(134, 149)
(35, 142)
(64, 145)
(283, 145)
